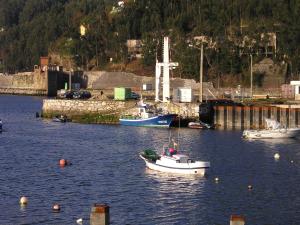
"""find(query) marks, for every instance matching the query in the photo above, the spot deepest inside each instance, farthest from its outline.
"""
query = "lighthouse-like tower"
(165, 67)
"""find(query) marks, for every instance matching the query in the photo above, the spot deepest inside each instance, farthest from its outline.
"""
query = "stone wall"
(26, 80)
(6, 81)
(81, 107)
(22, 91)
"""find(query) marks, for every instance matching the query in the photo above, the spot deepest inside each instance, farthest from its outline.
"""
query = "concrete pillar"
(230, 117)
(278, 114)
(256, 119)
(266, 113)
(297, 118)
(216, 115)
(283, 116)
(237, 220)
(224, 109)
(247, 117)
(292, 118)
(99, 214)
(220, 110)
(260, 118)
(273, 113)
(239, 117)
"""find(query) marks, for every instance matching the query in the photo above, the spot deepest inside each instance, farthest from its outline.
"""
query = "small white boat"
(173, 162)
(199, 125)
(273, 130)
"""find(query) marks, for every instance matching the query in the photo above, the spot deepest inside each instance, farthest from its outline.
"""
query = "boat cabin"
(182, 159)
(144, 113)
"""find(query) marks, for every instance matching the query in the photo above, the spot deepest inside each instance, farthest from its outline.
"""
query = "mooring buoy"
(56, 208)
(276, 156)
(23, 200)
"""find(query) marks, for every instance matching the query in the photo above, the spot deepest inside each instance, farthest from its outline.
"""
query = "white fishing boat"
(171, 161)
(273, 130)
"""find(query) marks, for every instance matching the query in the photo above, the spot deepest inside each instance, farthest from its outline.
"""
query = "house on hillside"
(134, 48)
(207, 40)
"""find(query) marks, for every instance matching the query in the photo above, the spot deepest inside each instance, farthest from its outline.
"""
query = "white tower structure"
(165, 65)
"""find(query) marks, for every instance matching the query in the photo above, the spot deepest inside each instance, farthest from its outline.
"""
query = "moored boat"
(273, 130)
(171, 161)
(61, 119)
(146, 117)
(199, 125)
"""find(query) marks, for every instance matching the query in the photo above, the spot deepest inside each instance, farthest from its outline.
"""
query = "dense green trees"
(33, 28)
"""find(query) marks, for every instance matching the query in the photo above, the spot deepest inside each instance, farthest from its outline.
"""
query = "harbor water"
(106, 168)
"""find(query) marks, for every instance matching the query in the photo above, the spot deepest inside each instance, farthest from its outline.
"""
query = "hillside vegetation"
(33, 28)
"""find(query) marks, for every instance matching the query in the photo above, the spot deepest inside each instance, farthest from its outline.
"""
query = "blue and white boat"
(147, 118)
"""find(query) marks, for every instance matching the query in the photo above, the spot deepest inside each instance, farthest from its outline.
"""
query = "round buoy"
(56, 208)
(62, 162)
(250, 187)
(276, 156)
(216, 179)
(23, 200)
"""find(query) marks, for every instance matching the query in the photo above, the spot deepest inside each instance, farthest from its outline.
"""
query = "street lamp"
(200, 71)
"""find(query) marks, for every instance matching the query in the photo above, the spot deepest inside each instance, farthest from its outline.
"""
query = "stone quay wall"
(82, 107)
(22, 91)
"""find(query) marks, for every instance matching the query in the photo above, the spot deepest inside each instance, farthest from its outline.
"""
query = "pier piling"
(253, 117)
(99, 214)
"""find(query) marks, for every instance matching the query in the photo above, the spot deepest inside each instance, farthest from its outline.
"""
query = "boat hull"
(169, 169)
(271, 134)
(156, 121)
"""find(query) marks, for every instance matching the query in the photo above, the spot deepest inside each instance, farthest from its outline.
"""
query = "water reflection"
(174, 193)
(283, 141)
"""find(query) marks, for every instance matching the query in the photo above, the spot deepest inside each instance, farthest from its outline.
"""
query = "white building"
(296, 83)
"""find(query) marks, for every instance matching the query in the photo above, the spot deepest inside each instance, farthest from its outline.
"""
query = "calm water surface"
(106, 169)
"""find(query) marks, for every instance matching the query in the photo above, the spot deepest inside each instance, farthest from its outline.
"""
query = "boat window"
(177, 161)
(190, 161)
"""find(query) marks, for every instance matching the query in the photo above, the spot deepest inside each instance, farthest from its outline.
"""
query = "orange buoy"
(62, 162)
(56, 208)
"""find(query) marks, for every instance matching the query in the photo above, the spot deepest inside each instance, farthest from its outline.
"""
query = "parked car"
(82, 94)
(67, 94)
(135, 96)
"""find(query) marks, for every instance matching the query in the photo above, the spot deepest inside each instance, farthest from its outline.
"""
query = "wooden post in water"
(99, 214)
(237, 220)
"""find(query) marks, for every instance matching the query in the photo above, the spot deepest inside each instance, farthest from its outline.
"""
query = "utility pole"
(251, 77)
(200, 71)
(70, 79)
(201, 75)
